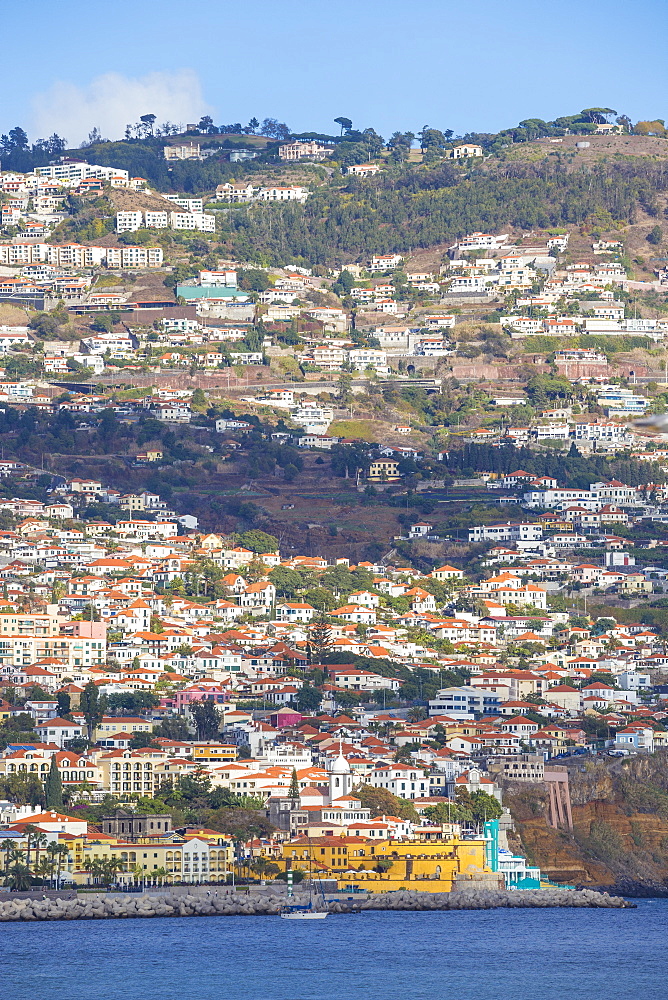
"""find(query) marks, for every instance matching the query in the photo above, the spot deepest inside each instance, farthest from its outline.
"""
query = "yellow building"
(214, 751)
(196, 859)
(431, 866)
(132, 501)
(111, 726)
(384, 470)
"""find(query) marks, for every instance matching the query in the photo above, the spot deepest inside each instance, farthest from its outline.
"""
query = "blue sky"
(397, 64)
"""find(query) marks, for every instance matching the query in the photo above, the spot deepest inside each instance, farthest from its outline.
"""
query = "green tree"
(320, 638)
(345, 123)
(92, 707)
(380, 801)
(103, 870)
(263, 867)
(207, 720)
(448, 812)
(173, 729)
(18, 877)
(258, 541)
(63, 699)
(294, 785)
(479, 804)
(53, 788)
(44, 869)
(139, 740)
(40, 841)
(196, 786)
(344, 393)
(287, 581)
(308, 699)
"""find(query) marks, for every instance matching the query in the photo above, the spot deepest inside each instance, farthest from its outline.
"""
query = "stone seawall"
(168, 905)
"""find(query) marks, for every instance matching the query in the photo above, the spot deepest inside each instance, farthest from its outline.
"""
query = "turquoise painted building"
(514, 868)
(189, 292)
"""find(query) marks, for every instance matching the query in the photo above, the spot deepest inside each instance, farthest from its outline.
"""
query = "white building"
(303, 151)
(202, 221)
(129, 222)
(70, 172)
(299, 194)
(368, 357)
(465, 149)
(185, 204)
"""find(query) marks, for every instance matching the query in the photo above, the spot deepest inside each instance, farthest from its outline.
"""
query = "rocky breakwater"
(269, 904)
(490, 899)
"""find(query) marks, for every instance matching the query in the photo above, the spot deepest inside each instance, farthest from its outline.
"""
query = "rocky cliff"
(620, 825)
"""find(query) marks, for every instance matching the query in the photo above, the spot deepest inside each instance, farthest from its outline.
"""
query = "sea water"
(531, 954)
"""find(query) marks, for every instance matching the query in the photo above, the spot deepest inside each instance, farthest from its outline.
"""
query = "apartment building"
(75, 255)
(73, 172)
(368, 357)
(134, 257)
(156, 220)
(129, 222)
(464, 702)
(74, 651)
(303, 151)
(202, 221)
(185, 204)
(509, 532)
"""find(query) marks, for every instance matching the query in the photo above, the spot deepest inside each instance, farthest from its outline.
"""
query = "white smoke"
(112, 101)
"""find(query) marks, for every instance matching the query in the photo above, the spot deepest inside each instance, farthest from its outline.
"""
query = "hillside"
(427, 206)
(600, 147)
(125, 200)
(620, 818)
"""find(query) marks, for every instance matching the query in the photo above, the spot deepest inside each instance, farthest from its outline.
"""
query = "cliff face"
(620, 826)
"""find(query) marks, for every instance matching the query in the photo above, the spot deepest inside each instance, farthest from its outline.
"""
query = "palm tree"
(60, 852)
(263, 867)
(19, 877)
(44, 869)
(40, 840)
(14, 860)
(51, 854)
(104, 869)
(31, 832)
(160, 874)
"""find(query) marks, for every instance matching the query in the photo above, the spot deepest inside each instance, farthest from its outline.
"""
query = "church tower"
(340, 778)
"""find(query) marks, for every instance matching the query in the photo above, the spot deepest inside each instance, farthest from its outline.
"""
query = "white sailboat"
(292, 911)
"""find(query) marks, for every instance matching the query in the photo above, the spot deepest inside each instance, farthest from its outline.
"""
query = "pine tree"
(294, 785)
(320, 639)
(53, 788)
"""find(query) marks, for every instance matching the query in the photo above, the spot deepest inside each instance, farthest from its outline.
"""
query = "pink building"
(180, 700)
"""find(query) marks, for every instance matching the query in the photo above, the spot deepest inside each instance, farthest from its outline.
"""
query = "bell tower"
(340, 778)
